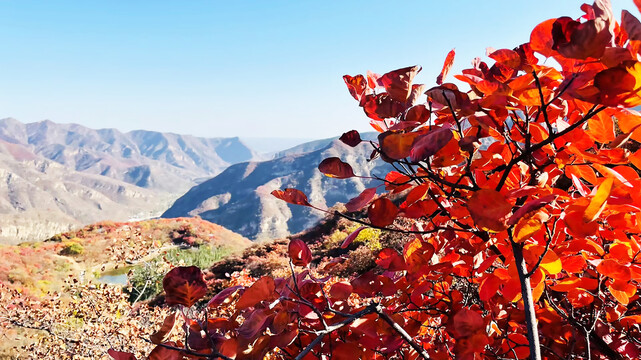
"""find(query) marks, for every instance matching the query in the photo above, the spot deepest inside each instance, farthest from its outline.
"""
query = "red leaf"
(430, 143)
(390, 260)
(163, 353)
(356, 85)
(334, 167)
(397, 146)
(489, 209)
(361, 200)
(541, 38)
(350, 238)
(398, 83)
(619, 85)
(382, 106)
(299, 252)
(341, 290)
(489, 287)
(449, 61)
(631, 25)
(576, 40)
(382, 212)
(351, 138)
(263, 289)
(120, 355)
(612, 269)
(466, 323)
(184, 286)
(223, 296)
(254, 325)
(167, 327)
(292, 196)
(529, 207)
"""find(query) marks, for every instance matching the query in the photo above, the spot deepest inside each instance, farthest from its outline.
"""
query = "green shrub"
(145, 281)
(71, 249)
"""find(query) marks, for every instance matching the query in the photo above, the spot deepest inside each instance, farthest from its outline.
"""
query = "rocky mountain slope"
(239, 198)
(159, 161)
(55, 177)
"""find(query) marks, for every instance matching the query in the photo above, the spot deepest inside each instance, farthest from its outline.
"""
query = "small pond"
(115, 276)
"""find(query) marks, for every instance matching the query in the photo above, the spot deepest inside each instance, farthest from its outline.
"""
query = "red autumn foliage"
(526, 229)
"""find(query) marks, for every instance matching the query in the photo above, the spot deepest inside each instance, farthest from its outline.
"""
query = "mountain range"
(54, 177)
(240, 197)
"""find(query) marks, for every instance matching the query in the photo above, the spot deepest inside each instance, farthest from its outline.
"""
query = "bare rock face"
(54, 177)
(239, 198)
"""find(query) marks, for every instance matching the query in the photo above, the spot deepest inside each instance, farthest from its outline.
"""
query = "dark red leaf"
(398, 83)
(350, 238)
(184, 286)
(351, 138)
(163, 353)
(382, 106)
(430, 143)
(223, 296)
(120, 355)
(262, 290)
(529, 207)
(390, 259)
(382, 212)
(292, 196)
(449, 61)
(361, 200)
(299, 252)
(334, 167)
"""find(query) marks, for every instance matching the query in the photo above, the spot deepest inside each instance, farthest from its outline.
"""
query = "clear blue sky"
(228, 68)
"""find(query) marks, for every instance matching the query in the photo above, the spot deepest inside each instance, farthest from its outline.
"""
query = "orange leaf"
(489, 210)
(449, 61)
(356, 85)
(528, 226)
(263, 289)
(489, 287)
(620, 85)
(541, 38)
(397, 146)
(292, 196)
(184, 286)
(612, 269)
(390, 260)
(598, 202)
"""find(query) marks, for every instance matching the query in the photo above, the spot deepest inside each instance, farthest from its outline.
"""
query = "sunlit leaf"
(449, 61)
(184, 286)
(336, 168)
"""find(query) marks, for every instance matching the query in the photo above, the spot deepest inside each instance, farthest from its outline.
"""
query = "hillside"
(160, 161)
(56, 177)
(239, 198)
(54, 291)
